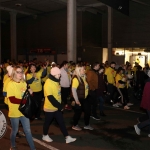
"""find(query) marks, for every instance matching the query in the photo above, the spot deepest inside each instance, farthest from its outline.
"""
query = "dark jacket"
(80, 89)
(101, 85)
(145, 103)
(92, 79)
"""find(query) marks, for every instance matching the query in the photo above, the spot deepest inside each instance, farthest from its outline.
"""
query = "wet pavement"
(113, 132)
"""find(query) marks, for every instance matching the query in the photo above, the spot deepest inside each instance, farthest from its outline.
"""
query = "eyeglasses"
(19, 72)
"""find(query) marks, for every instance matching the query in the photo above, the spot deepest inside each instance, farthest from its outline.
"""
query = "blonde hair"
(13, 74)
(77, 72)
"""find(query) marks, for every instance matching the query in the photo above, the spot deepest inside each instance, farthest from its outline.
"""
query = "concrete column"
(13, 35)
(109, 34)
(71, 30)
(0, 39)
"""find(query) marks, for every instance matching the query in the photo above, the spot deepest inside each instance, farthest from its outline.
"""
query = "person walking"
(145, 104)
(109, 78)
(33, 78)
(65, 81)
(52, 105)
(15, 91)
(101, 90)
(80, 90)
(92, 79)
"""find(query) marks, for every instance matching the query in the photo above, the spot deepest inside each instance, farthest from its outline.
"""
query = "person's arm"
(15, 100)
(44, 72)
(54, 102)
(121, 82)
(75, 96)
(30, 80)
(105, 78)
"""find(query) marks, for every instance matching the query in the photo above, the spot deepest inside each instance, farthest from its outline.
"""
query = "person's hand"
(78, 103)
(34, 75)
(30, 91)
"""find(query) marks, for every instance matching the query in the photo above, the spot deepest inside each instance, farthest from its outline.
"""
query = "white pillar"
(0, 40)
(71, 30)
(13, 35)
(109, 34)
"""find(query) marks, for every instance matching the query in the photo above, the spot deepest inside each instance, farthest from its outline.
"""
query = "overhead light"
(18, 4)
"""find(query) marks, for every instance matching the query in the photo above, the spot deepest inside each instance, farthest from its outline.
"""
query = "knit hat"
(55, 71)
(9, 69)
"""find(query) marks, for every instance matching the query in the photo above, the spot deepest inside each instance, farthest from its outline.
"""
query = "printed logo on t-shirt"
(22, 91)
(59, 90)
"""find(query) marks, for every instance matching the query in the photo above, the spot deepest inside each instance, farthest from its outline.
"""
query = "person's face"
(113, 65)
(97, 67)
(121, 72)
(19, 73)
(33, 69)
(66, 66)
(57, 76)
(82, 71)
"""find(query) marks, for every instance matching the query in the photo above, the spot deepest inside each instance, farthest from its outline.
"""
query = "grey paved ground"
(113, 132)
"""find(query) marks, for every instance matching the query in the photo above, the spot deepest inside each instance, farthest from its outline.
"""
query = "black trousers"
(93, 101)
(38, 99)
(49, 116)
(86, 108)
(65, 91)
(124, 95)
(113, 93)
(146, 122)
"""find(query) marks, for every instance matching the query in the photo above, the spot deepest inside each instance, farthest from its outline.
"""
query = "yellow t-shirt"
(117, 78)
(5, 89)
(17, 90)
(111, 73)
(75, 84)
(36, 85)
(5, 77)
(51, 88)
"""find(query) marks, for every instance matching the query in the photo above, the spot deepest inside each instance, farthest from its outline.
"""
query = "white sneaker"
(69, 139)
(115, 105)
(88, 127)
(119, 104)
(129, 104)
(46, 138)
(137, 130)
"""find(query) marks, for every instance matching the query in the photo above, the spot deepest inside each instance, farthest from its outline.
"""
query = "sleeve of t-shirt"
(28, 76)
(75, 83)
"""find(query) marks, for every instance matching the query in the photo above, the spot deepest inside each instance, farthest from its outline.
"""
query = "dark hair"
(112, 63)
(63, 63)
(101, 67)
(139, 68)
(95, 64)
(29, 71)
(119, 69)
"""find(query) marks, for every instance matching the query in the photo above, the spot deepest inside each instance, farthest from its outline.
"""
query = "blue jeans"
(26, 127)
(101, 103)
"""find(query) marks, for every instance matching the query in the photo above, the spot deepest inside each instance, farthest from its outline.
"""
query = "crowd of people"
(80, 87)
